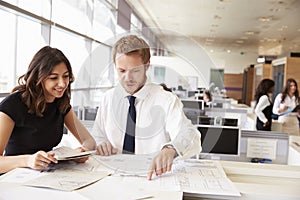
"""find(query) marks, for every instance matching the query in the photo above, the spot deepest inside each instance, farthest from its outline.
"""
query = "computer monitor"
(193, 104)
(219, 141)
(230, 122)
(193, 109)
(205, 120)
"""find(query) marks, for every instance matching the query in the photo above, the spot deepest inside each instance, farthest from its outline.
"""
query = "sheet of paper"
(261, 148)
(20, 175)
(9, 191)
(130, 188)
(67, 153)
(203, 177)
(125, 164)
(66, 180)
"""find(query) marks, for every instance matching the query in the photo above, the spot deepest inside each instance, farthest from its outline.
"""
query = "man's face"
(131, 72)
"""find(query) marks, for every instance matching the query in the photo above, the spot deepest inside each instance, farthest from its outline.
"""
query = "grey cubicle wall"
(85, 113)
(282, 149)
(240, 114)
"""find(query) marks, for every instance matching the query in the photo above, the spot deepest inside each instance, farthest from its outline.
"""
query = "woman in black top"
(264, 105)
(32, 118)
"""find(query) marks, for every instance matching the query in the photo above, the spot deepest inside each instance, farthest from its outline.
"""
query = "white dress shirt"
(290, 123)
(159, 121)
(288, 101)
(262, 103)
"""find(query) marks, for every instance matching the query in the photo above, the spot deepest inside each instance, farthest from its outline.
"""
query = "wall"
(233, 84)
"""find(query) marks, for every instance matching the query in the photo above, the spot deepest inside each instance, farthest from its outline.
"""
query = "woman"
(284, 103)
(207, 98)
(263, 108)
(32, 118)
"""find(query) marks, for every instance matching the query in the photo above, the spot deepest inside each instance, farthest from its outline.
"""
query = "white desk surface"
(253, 180)
(294, 150)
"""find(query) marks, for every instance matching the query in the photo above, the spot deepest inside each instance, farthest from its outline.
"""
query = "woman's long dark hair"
(263, 88)
(285, 90)
(31, 83)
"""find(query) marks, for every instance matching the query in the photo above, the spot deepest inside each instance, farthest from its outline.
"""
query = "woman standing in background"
(284, 103)
(263, 108)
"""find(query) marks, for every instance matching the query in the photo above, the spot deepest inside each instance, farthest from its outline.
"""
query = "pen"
(265, 160)
(297, 144)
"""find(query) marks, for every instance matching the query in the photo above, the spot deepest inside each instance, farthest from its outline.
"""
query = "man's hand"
(106, 149)
(162, 162)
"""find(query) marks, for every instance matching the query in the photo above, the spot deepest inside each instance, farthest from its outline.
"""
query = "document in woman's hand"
(67, 153)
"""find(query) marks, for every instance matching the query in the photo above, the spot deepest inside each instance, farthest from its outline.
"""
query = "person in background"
(207, 98)
(264, 105)
(284, 103)
(32, 117)
(165, 87)
(155, 116)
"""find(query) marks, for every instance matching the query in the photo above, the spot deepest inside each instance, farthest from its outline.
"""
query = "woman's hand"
(41, 160)
(283, 109)
(82, 159)
(266, 124)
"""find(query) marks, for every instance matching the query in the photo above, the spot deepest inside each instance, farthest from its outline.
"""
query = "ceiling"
(260, 27)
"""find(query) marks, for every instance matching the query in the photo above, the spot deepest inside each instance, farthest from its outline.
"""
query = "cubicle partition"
(261, 146)
(240, 114)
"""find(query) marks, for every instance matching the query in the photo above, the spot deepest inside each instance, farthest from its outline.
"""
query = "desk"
(294, 150)
(253, 180)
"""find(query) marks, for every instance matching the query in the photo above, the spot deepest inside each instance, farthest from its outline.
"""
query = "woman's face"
(271, 90)
(205, 98)
(56, 82)
(292, 88)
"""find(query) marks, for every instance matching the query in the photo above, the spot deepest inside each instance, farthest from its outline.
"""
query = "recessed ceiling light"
(272, 40)
(211, 51)
(274, 9)
(265, 19)
(249, 32)
(244, 38)
(228, 51)
(260, 59)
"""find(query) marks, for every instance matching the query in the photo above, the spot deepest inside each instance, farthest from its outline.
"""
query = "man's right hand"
(106, 149)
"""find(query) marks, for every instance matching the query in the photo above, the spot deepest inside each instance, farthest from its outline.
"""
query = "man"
(140, 117)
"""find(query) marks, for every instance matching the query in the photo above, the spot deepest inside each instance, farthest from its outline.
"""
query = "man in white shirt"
(160, 124)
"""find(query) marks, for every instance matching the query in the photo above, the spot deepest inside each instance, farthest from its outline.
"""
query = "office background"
(86, 29)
